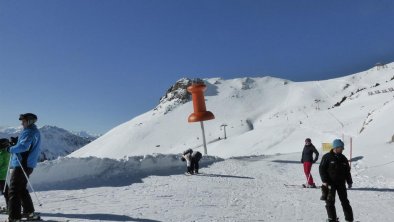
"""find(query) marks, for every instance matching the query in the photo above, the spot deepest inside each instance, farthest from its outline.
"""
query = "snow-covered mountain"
(267, 116)
(86, 135)
(6, 132)
(264, 115)
(56, 142)
(59, 142)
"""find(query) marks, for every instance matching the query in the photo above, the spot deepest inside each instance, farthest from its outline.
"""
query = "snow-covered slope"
(55, 141)
(154, 188)
(264, 116)
(118, 178)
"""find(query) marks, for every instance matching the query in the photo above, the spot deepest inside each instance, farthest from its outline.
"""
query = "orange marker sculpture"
(200, 113)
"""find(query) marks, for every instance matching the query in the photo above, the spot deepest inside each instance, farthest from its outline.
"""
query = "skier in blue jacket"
(25, 154)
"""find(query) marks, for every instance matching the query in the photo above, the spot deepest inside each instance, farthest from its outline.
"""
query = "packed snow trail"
(239, 189)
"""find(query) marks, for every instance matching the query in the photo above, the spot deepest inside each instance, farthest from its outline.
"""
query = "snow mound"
(77, 173)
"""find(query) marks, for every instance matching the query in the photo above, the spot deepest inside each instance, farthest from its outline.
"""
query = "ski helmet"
(29, 117)
(337, 143)
(308, 140)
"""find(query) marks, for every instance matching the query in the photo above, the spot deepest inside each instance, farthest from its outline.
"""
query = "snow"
(93, 171)
(254, 109)
(133, 172)
(236, 189)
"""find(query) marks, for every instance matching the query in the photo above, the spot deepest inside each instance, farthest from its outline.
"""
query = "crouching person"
(192, 159)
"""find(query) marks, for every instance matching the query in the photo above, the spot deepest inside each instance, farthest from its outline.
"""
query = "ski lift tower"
(224, 128)
(200, 113)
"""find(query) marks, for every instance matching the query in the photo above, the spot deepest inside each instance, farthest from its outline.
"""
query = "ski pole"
(6, 176)
(28, 181)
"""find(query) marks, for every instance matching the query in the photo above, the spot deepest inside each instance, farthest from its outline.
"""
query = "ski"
(190, 174)
(301, 186)
(338, 221)
(316, 187)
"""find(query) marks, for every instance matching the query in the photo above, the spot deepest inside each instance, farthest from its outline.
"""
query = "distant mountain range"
(56, 142)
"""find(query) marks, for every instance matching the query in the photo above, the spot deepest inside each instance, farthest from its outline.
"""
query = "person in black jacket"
(307, 159)
(192, 158)
(335, 173)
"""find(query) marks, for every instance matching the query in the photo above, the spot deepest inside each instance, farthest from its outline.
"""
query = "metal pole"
(351, 151)
(224, 128)
(203, 137)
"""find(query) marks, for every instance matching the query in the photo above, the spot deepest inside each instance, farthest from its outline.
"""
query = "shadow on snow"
(224, 176)
(372, 189)
(354, 159)
(101, 217)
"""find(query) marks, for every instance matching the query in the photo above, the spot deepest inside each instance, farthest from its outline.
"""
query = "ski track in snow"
(238, 189)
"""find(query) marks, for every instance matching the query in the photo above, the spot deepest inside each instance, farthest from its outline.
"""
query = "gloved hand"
(13, 141)
(314, 161)
(349, 185)
(302, 161)
(324, 192)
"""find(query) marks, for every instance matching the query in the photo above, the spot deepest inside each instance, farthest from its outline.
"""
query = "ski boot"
(189, 171)
(331, 220)
(31, 216)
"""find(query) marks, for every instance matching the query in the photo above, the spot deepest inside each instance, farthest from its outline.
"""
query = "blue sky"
(91, 65)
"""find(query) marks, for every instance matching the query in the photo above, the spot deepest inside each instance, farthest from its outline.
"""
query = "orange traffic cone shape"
(200, 110)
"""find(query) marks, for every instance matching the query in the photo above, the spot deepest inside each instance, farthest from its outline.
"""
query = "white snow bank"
(77, 173)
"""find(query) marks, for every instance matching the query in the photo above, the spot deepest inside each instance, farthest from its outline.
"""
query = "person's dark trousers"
(330, 203)
(2, 184)
(18, 194)
(195, 160)
(190, 169)
(195, 166)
